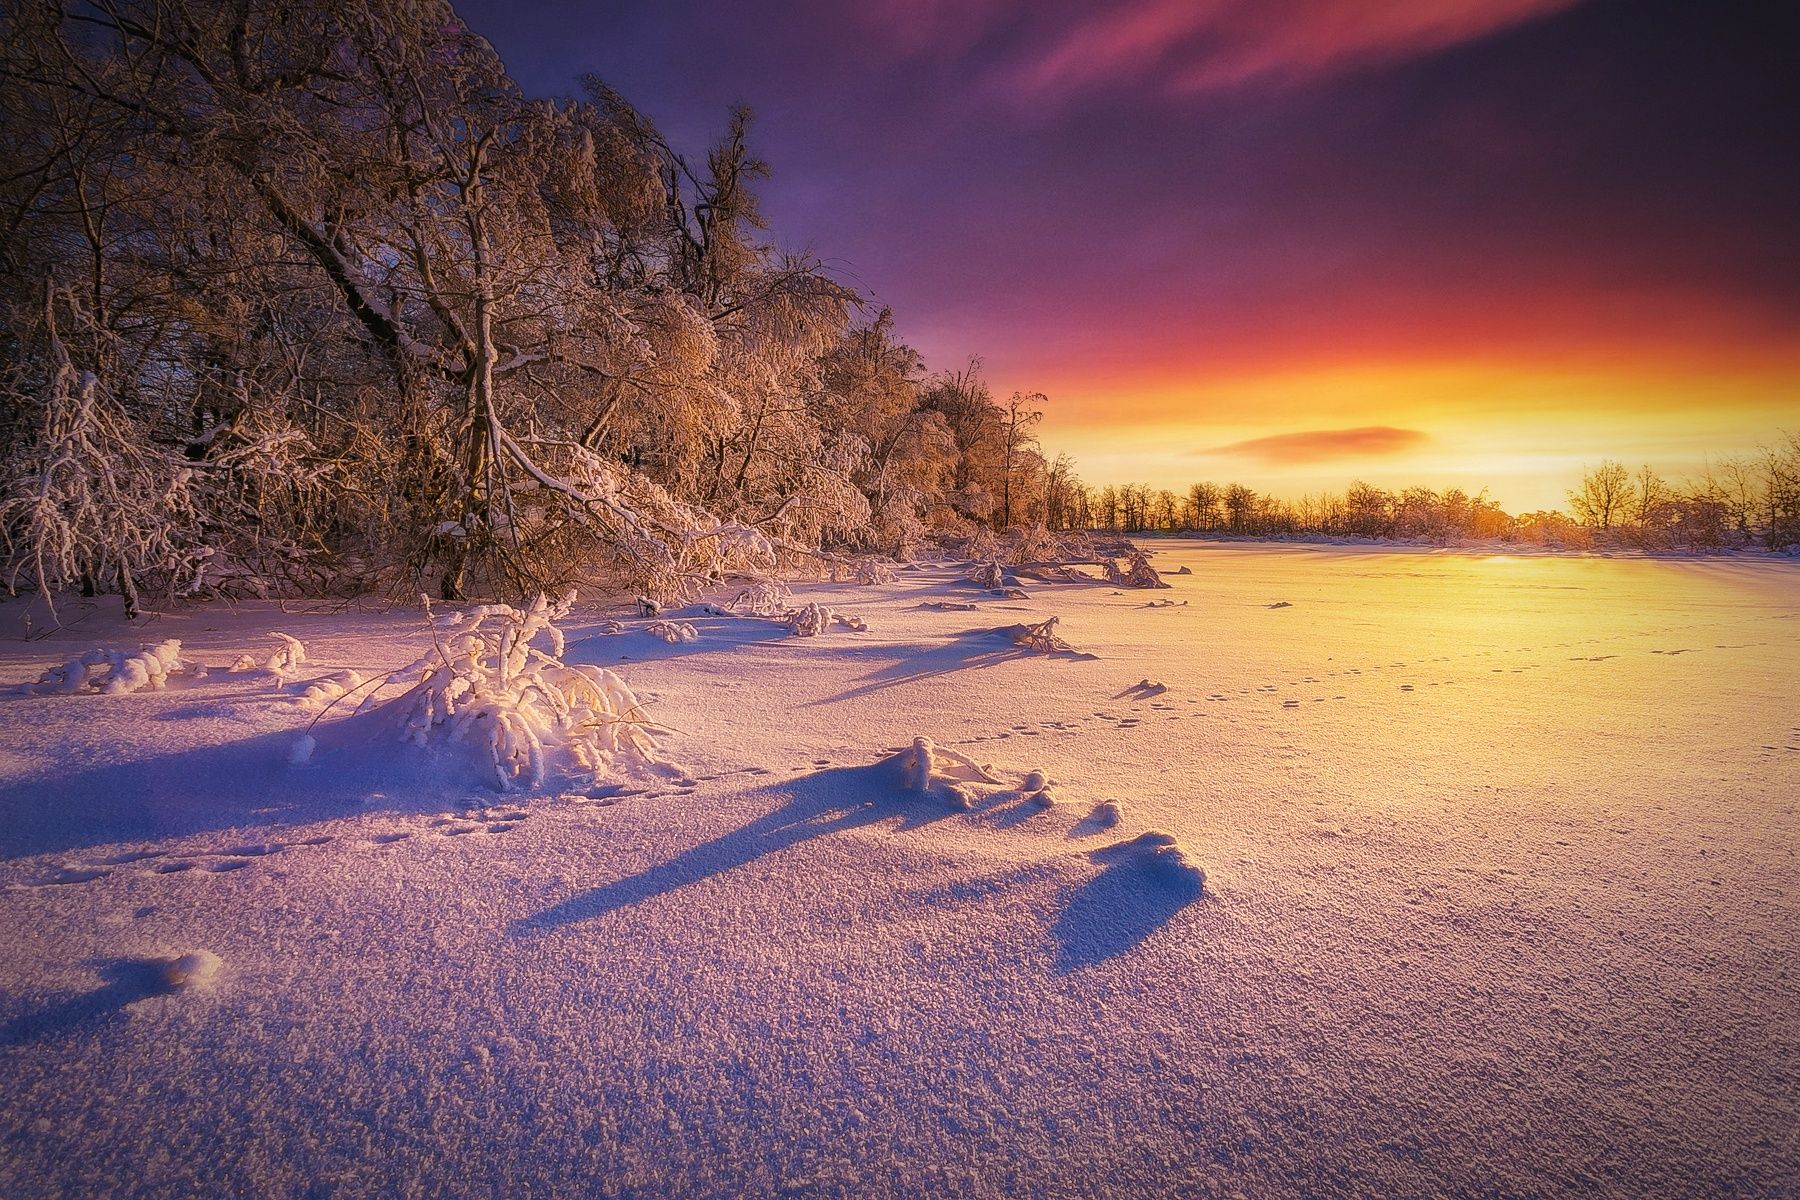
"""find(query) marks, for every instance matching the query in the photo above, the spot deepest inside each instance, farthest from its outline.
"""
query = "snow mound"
(196, 969)
(321, 693)
(1106, 814)
(495, 683)
(673, 632)
(114, 672)
(949, 606)
(1161, 857)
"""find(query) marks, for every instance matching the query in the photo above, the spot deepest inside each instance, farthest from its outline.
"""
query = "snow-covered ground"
(1500, 898)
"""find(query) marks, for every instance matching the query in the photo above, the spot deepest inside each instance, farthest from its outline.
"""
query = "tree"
(1605, 492)
(1018, 446)
(1240, 508)
(1781, 492)
(1368, 511)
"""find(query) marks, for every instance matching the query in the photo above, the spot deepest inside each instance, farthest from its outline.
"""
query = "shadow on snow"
(969, 650)
(1117, 909)
(819, 804)
(127, 981)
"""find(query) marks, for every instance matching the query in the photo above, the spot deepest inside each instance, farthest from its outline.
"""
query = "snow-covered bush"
(1038, 544)
(764, 598)
(673, 632)
(495, 680)
(982, 544)
(115, 672)
(86, 498)
(925, 766)
(1136, 573)
(810, 620)
(986, 575)
(1040, 637)
(289, 657)
(869, 572)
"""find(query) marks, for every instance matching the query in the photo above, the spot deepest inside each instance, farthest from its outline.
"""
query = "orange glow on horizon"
(1522, 431)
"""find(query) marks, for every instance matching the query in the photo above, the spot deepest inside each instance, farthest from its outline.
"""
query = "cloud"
(1184, 47)
(1317, 445)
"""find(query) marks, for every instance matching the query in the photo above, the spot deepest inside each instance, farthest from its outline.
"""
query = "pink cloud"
(1183, 47)
(1317, 445)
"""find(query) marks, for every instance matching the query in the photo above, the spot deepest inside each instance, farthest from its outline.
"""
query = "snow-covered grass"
(1454, 875)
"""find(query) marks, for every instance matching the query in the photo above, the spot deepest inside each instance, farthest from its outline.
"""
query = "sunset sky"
(1287, 242)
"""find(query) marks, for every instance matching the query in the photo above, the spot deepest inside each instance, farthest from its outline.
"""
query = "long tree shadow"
(127, 981)
(634, 645)
(823, 803)
(1119, 908)
(968, 650)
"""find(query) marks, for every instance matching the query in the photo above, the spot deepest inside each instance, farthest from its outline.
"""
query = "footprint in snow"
(72, 874)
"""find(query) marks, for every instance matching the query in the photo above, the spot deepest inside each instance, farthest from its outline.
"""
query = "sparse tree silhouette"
(1603, 496)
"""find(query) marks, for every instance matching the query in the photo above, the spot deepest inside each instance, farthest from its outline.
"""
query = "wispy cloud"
(1183, 47)
(1317, 445)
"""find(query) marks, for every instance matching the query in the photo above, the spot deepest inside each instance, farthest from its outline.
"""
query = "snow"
(673, 632)
(114, 672)
(1497, 898)
(192, 970)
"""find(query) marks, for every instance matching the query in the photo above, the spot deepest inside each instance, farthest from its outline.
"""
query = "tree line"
(1739, 502)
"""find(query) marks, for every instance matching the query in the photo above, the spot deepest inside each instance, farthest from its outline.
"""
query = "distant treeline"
(1737, 503)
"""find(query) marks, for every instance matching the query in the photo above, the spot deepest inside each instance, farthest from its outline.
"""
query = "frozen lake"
(1500, 899)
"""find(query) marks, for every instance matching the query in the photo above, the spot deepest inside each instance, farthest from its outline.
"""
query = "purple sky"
(1227, 221)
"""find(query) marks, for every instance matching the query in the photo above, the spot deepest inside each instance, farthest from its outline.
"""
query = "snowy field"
(1500, 899)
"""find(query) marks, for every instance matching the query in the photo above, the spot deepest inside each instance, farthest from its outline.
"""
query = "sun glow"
(1523, 431)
